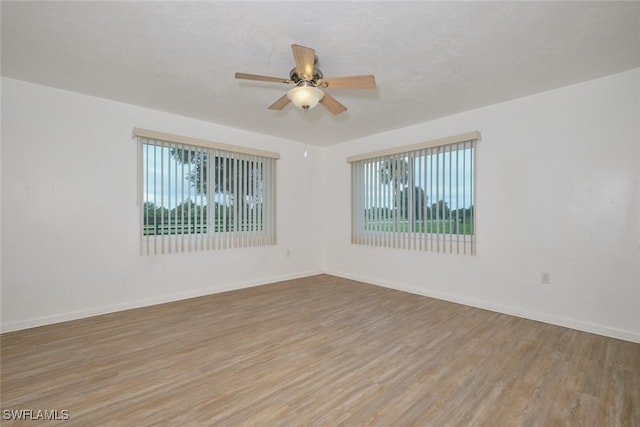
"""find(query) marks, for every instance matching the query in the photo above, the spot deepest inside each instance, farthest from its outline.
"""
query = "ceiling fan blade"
(305, 58)
(280, 103)
(245, 76)
(352, 82)
(332, 104)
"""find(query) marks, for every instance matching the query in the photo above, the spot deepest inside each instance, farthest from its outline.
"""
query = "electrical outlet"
(545, 278)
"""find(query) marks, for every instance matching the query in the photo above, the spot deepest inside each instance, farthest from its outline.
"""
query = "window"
(197, 195)
(420, 197)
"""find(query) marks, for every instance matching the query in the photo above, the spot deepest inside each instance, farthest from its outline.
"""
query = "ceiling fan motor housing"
(297, 79)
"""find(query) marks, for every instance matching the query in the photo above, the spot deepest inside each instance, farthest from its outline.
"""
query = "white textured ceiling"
(430, 59)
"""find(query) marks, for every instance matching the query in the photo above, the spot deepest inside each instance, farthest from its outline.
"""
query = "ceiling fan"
(308, 82)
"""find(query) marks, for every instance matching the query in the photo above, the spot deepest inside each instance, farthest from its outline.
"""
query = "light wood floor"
(319, 351)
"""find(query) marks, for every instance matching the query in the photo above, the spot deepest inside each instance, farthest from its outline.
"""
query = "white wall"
(558, 190)
(70, 222)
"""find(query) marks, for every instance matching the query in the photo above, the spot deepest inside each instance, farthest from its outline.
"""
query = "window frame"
(242, 162)
(408, 203)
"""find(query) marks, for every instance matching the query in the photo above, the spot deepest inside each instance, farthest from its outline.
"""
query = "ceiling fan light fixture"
(305, 95)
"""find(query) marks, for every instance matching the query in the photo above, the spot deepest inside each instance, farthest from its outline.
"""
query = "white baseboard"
(500, 308)
(64, 317)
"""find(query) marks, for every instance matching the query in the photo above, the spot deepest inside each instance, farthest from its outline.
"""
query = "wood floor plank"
(318, 351)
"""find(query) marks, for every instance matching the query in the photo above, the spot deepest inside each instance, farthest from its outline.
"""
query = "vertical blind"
(197, 198)
(421, 197)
